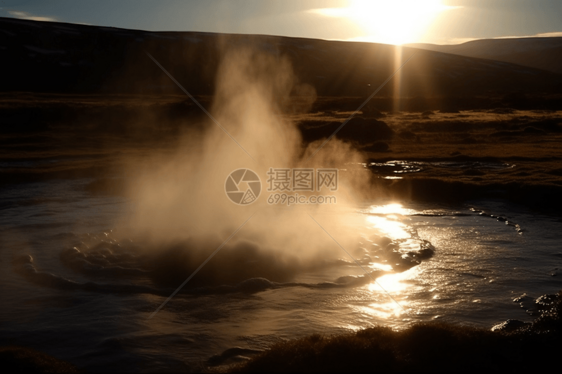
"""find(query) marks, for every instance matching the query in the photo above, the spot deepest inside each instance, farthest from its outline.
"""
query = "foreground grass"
(432, 347)
(25, 360)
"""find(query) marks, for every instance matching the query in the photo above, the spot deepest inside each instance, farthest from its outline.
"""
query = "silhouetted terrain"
(69, 58)
(540, 53)
(77, 98)
(425, 347)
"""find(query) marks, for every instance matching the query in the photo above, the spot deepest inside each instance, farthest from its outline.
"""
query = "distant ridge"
(540, 53)
(69, 58)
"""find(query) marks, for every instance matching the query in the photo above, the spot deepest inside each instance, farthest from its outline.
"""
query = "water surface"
(478, 257)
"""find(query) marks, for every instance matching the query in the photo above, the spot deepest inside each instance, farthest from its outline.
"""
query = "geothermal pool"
(75, 287)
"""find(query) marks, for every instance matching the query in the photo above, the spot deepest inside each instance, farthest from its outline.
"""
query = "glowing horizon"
(397, 22)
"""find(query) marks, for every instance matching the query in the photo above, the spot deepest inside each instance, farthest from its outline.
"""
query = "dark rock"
(365, 130)
(546, 302)
(371, 112)
(254, 285)
(232, 355)
(522, 298)
(528, 303)
(510, 325)
(376, 147)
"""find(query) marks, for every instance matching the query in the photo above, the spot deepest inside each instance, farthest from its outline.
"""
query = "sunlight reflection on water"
(394, 208)
(478, 267)
(392, 228)
(382, 310)
(393, 283)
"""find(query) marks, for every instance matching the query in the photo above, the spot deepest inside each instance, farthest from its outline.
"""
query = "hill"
(539, 53)
(70, 58)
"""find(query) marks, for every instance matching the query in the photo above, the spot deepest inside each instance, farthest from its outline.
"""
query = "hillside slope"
(69, 58)
(540, 53)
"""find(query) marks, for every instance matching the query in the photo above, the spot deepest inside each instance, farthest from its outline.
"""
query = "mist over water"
(93, 268)
(180, 199)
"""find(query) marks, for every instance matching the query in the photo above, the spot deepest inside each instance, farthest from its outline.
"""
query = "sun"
(389, 21)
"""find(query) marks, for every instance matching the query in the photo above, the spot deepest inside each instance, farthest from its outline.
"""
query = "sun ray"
(392, 22)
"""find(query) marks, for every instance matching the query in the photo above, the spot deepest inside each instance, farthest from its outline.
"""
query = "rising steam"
(182, 213)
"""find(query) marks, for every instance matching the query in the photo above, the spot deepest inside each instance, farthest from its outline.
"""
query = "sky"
(390, 21)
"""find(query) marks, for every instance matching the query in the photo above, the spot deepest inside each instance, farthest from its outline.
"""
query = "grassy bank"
(25, 360)
(431, 347)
